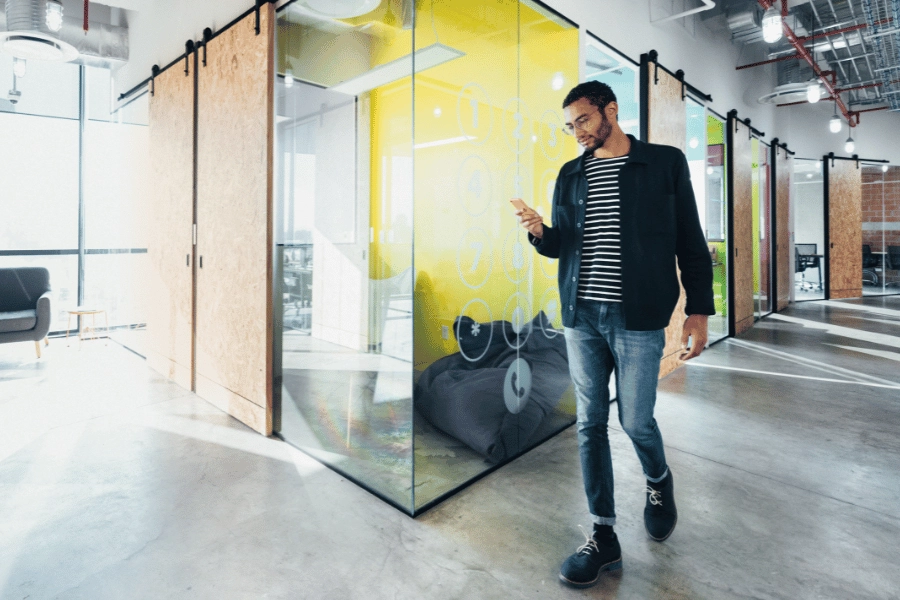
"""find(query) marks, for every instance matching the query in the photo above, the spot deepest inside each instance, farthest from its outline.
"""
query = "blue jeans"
(597, 345)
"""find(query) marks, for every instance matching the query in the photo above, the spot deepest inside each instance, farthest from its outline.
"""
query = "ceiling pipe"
(806, 38)
(103, 46)
(707, 5)
(802, 52)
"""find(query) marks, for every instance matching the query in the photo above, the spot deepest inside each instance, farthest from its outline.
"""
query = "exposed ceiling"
(861, 45)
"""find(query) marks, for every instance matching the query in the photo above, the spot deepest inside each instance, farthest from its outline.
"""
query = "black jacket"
(659, 222)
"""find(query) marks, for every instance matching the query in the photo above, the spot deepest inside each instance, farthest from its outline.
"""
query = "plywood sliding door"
(784, 165)
(844, 260)
(169, 246)
(234, 205)
(742, 223)
(667, 124)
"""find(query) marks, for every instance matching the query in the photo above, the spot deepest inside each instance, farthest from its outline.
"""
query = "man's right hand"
(531, 221)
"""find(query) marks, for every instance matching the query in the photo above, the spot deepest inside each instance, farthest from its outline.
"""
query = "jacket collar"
(637, 154)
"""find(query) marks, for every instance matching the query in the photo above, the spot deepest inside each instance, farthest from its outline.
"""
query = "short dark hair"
(597, 93)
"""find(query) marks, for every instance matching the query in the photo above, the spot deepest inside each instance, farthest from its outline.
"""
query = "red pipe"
(805, 55)
(766, 62)
(856, 87)
(806, 38)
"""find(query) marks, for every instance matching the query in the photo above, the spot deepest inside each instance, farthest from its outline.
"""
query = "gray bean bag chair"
(486, 396)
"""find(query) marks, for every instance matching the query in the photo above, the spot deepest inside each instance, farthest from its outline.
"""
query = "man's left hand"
(696, 328)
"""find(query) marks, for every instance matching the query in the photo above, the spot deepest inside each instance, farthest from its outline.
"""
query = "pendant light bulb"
(771, 25)
(834, 124)
(884, 168)
(19, 67)
(849, 145)
(813, 92)
(54, 16)
(289, 79)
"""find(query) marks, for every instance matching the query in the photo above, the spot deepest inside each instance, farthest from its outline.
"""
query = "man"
(622, 213)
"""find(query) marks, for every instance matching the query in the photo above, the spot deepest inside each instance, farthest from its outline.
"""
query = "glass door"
(808, 214)
(880, 229)
(762, 240)
(714, 218)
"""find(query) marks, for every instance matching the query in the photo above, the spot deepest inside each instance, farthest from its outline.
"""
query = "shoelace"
(589, 545)
(655, 496)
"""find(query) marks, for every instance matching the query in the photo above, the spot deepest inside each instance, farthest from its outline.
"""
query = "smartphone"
(517, 202)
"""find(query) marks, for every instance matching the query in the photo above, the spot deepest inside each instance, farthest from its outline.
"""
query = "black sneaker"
(591, 559)
(660, 514)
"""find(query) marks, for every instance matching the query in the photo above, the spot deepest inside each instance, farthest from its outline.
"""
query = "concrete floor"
(785, 446)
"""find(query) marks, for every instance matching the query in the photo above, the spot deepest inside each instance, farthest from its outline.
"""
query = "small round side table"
(84, 311)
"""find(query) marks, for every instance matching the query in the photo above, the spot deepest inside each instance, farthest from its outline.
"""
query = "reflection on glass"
(63, 284)
(38, 183)
(762, 241)
(343, 235)
(115, 209)
(475, 333)
(48, 89)
(490, 359)
(602, 63)
(714, 216)
(880, 229)
(808, 215)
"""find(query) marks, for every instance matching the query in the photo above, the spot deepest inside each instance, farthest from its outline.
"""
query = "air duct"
(28, 35)
(103, 45)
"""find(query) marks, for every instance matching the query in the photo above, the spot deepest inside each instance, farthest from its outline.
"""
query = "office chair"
(805, 257)
(892, 262)
(869, 264)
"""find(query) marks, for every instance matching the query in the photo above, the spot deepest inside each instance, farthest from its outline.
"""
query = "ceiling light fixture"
(54, 16)
(694, 142)
(425, 58)
(835, 124)
(813, 92)
(19, 67)
(771, 25)
(289, 79)
(849, 145)
(884, 168)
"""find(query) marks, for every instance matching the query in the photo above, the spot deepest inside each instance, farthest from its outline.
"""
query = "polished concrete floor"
(785, 446)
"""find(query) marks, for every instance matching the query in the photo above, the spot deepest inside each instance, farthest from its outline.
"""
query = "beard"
(600, 136)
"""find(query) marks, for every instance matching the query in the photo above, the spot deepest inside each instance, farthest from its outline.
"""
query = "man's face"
(592, 127)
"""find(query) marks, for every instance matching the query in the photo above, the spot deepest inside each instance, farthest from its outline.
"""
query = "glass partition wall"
(714, 217)
(762, 241)
(73, 193)
(415, 368)
(603, 63)
(705, 152)
(808, 214)
(880, 229)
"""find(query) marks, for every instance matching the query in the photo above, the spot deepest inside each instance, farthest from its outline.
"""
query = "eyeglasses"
(579, 123)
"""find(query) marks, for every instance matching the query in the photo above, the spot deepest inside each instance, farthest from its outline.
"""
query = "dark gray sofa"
(25, 305)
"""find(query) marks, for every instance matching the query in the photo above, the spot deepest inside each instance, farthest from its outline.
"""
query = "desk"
(83, 311)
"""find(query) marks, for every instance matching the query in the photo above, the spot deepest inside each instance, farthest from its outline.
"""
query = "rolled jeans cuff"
(658, 479)
(603, 520)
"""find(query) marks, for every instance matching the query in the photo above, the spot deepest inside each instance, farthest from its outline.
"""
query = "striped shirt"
(600, 275)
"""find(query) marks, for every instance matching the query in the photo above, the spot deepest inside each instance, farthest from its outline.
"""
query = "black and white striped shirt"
(600, 275)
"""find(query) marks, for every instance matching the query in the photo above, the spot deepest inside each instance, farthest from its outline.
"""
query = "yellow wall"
(463, 186)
